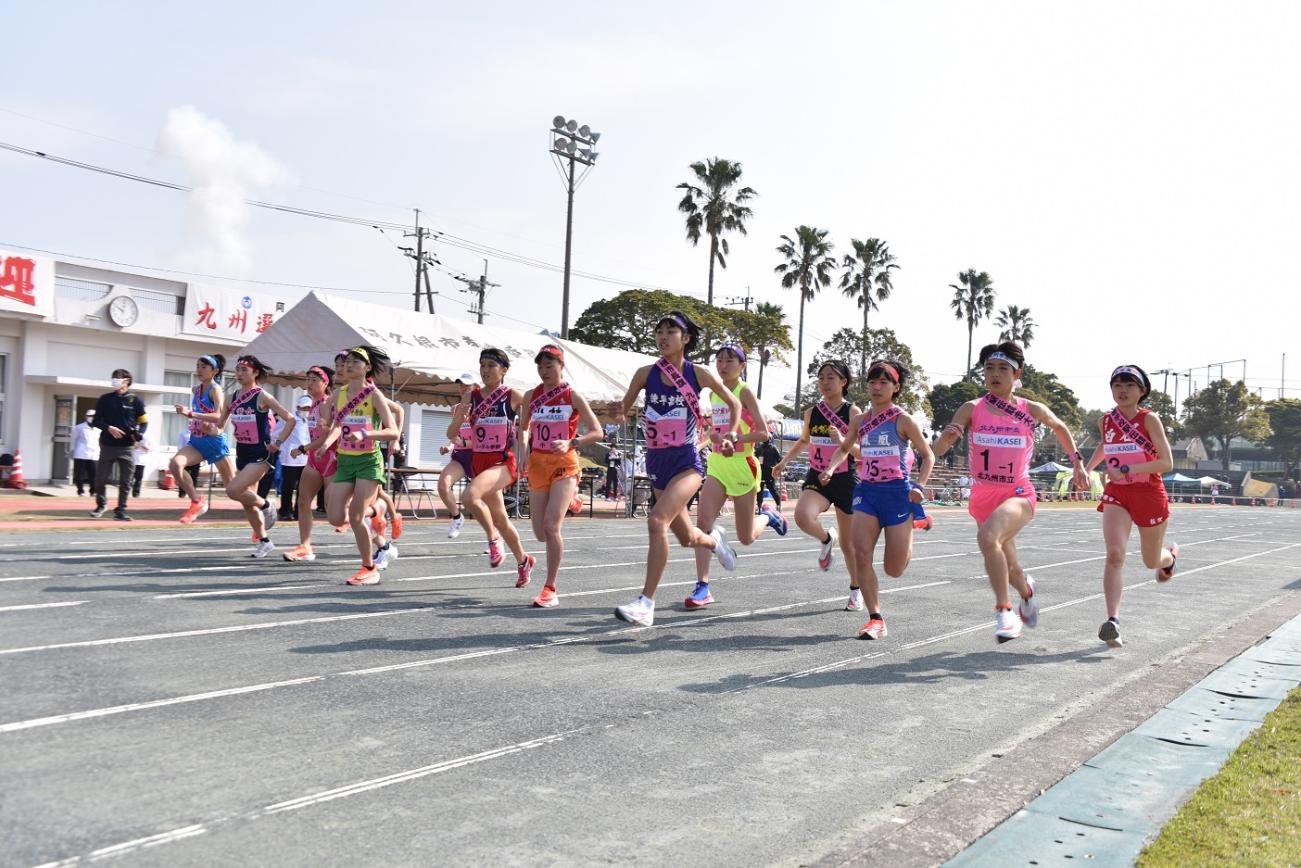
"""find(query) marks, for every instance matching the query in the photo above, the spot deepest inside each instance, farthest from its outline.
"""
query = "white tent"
(428, 351)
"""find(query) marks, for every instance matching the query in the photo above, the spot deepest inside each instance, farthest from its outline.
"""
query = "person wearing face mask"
(293, 456)
(121, 420)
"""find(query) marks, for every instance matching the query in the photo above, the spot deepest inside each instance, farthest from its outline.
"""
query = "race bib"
(356, 423)
(491, 434)
(245, 427)
(549, 424)
(880, 464)
(998, 441)
(820, 451)
(1118, 454)
(666, 430)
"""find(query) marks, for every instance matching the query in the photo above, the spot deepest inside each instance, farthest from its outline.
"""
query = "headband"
(320, 372)
(999, 356)
(676, 320)
(884, 367)
(496, 355)
(1128, 370)
(735, 349)
(361, 353)
(210, 362)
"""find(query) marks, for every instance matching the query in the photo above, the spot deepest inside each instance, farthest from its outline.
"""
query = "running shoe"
(873, 629)
(192, 513)
(1109, 632)
(524, 571)
(640, 612)
(495, 554)
(454, 529)
(1165, 574)
(855, 603)
(269, 516)
(120, 515)
(341, 528)
(827, 553)
(365, 576)
(98, 511)
(264, 548)
(300, 553)
(700, 597)
(776, 520)
(548, 599)
(725, 553)
(925, 523)
(1028, 608)
(397, 525)
(1008, 626)
(378, 525)
(385, 555)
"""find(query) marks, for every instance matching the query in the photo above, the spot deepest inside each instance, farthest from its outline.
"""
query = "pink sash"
(1011, 410)
(833, 418)
(1130, 430)
(867, 426)
(542, 400)
(679, 382)
(485, 403)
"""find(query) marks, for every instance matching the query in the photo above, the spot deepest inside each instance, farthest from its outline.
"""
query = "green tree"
(1225, 410)
(808, 267)
(943, 402)
(1016, 324)
(1087, 433)
(849, 346)
(1045, 388)
(972, 301)
(1285, 434)
(775, 315)
(1161, 404)
(713, 206)
(867, 273)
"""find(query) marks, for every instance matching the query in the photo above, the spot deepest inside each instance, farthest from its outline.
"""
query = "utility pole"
(744, 302)
(566, 138)
(423, 260)
(479, 289)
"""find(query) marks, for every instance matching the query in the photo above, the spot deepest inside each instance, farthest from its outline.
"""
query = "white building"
(65, 327)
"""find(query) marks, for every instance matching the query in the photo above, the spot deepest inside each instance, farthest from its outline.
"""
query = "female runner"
(736, 475)
(1134, 446)
(319, 472)
(1002, 502)
(362, 419)
(461, 465)
(825, 425)
(206, 440)
(884, 498)
(673, 423)
(492, 414)
(549, 425)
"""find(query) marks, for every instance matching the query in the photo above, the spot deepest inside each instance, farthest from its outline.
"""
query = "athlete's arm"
(909, 428)
(1046, 416)
(459, 413)
(751, 404)
(1098, 452)
(1165, 461)
(952, 432)
(707, 378)
(522, 435)
(796, 447)
(846, 447)
(587, 418)
(622, 409)
(388, 429)
(290, 420)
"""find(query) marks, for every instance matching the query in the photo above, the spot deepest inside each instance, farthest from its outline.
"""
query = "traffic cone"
(16, 475)
(168, 482)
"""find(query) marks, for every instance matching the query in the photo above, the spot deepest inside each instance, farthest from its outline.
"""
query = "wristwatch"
(1124, 469)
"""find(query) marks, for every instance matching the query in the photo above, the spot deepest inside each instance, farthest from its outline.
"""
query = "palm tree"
(973, 301)
(868, 266)
(808, 265)
(1016, 324)
(778, 315)
(709, 208)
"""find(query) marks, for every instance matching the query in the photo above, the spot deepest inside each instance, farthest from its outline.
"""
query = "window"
(433, 436)
(160, 302)
(80, 290)
(174, 423)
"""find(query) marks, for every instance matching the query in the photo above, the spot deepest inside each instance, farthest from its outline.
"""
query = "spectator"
(769, 455)
(84, 450)
(141, 453)
(291, 464)
(121, 420)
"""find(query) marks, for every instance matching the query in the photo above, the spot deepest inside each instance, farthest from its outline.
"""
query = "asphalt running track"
(168, 701)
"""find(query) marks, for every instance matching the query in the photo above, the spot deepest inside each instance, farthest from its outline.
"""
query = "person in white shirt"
(141, 456)
(84, 450)
(292, 458)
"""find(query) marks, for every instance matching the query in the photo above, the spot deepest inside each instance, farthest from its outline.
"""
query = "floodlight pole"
(569, 245)
(566, 136)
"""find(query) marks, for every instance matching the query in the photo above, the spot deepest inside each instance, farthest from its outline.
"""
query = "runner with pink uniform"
(320, 468)
(1001, 441)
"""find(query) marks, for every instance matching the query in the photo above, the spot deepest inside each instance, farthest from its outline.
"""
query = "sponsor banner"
(229, 313)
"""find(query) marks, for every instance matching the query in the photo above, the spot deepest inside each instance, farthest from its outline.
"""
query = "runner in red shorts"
(1136, 453)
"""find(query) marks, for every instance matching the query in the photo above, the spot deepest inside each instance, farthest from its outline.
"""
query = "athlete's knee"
(1115, 556)
(894, 567)
(987, 539)
(1153, 560)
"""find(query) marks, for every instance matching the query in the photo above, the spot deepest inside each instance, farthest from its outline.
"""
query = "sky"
(1128, 171)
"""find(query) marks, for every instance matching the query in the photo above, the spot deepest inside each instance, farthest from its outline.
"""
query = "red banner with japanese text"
(230, 313)
(26, 283)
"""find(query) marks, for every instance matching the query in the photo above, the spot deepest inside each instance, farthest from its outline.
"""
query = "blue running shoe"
(776, 520)
(700, 597)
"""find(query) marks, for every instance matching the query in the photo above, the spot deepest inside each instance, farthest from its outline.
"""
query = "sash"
(679, 382)
(1130, 430)
(542, 400)
(833, 418)
(356, 400)
(1011, 409)
(244, 397)
(202, 401)
(497, 394)
(867, 426)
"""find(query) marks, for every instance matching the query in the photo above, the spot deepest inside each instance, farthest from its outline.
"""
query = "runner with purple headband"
(673, 426)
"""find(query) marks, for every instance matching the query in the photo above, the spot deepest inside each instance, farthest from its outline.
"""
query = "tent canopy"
(1178, 477)
(1050, 467)
(1208, 481)
(429, 351)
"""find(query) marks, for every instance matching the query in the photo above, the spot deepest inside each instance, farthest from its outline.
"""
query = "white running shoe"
(725, 553)
(1109, 632)
(827, 553)
(1009, 626)
(855, 603)
(384, 556)
(269, 516)
(454, 529)
(640, 612)
(263, 549)
(1029, 609)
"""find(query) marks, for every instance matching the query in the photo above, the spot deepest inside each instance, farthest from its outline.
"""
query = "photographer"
(120, 418)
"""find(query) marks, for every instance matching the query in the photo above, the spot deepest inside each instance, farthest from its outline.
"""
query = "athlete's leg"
(807, 509)
(554, 510)
(308, 485)
(844, 528)
(712, 498)
(490, 482)
(1002, 525)
(747, 529)
(452, 474)
(898, 548)
(178, 467)
(1116, 527)
(864, 530)
(1152, 543)
(670, 513)
(363, 497)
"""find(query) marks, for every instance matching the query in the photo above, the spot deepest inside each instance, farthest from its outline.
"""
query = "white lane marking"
(253, 590)
(133, 574)
(42, 605)
(395, 667)
(212, 631)
(318, 798)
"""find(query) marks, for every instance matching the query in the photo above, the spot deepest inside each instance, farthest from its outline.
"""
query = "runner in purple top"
(673, 426)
